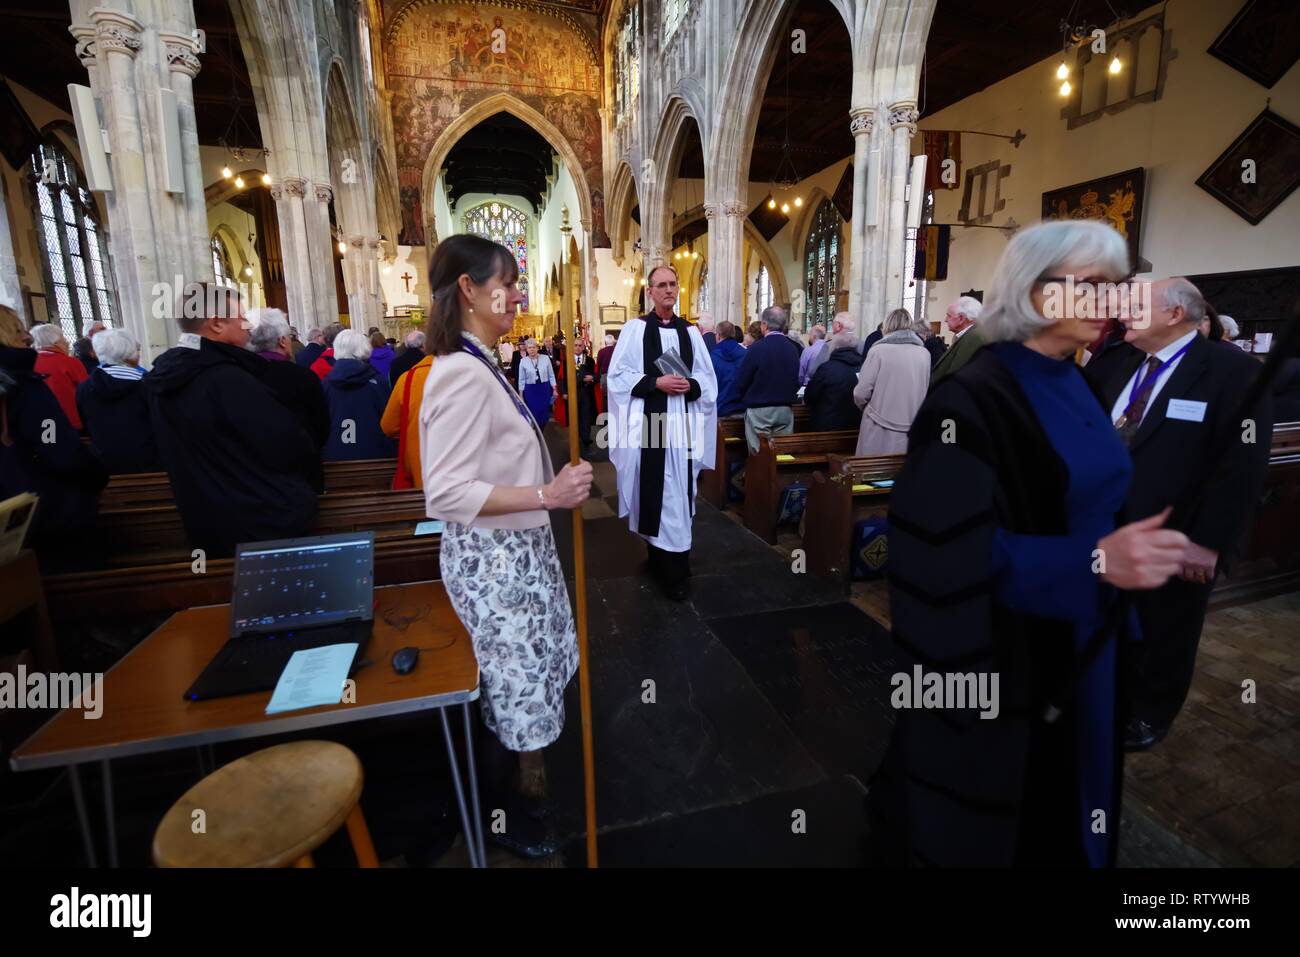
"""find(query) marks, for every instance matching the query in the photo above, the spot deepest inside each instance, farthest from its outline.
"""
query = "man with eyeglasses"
(662, 429)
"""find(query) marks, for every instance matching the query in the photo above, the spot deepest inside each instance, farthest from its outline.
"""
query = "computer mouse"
(404, 659)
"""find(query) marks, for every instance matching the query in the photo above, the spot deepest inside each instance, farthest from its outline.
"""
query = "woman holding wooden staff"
(488, 476)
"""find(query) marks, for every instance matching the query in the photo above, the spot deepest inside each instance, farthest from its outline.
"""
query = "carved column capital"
(84, 34)
(324, 192)
(711, 210)
(735, 209)
(903, 115)
(179, 49)
(294, 186)
(862, 122)
(116, 32)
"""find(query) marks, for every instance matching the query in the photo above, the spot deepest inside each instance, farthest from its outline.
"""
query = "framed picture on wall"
(1115, 199)
(1262, 41)
(613, 317)
(36, 308)
(1259, 170)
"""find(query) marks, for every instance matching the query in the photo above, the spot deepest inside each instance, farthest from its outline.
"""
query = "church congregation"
(890, 408)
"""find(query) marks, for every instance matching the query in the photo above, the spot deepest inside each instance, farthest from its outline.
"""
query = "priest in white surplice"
(662, 430)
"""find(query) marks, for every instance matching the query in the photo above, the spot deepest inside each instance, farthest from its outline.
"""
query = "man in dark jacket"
(325, 361)
(409, 358)
(829, 395)
(312, 350)
(1173, 394)
(768, 380)
(297, 388)
(241, 465)
(114, 408)
(727, 355)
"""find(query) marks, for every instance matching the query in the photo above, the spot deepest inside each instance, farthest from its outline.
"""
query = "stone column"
(902, 126)
(726, 253)
(183, 66)
(131, 235)
(320, 247)
(861, 126)
(361, 279)
(288, 193)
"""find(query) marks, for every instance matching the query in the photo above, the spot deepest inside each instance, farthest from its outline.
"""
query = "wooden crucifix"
(406, 280)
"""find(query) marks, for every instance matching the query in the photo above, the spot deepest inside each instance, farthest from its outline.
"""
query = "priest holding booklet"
(662, 429)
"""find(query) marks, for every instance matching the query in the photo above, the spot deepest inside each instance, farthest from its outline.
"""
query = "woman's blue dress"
(1053, 577)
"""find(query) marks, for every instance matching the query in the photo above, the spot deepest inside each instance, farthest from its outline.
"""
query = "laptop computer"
(288, 596)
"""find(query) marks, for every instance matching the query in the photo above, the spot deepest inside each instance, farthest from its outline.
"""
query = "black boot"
(509, 820)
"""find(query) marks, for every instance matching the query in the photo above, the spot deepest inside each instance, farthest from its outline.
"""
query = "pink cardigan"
(472, 438)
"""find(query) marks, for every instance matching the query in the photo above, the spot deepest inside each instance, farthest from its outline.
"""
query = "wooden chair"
(272, 808)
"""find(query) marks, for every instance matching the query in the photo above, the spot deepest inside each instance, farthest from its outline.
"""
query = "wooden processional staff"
(579, 556)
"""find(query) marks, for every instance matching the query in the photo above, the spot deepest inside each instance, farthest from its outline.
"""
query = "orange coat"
(391, 422)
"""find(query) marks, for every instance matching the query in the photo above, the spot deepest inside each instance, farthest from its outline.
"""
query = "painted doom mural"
(442, 58)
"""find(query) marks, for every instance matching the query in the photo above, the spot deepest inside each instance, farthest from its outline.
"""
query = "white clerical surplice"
(686, 430)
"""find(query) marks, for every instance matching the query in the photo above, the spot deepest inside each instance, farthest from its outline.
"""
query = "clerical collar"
(664, 322)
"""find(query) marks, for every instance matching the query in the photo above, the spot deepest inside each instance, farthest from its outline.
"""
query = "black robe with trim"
(955, 789)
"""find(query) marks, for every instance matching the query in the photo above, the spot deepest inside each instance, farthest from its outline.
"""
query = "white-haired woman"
(114, 408)
(62, 372)
(537, 382)
(891, 386)
(356, 395)
(1004, 557)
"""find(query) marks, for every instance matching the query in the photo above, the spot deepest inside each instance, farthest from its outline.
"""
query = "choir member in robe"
(662, 430)
(1005, 556)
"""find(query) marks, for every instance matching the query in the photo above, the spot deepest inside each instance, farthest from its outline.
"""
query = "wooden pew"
(731, 448)
(765, 476)
(172, 586)
(836, 502)
(154, 533)
(143, 489)
(1268, 562)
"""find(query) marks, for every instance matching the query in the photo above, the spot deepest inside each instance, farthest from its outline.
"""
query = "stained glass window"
(628, 61)
(221, 262)
(674, 12)
(76, 269)
(505, 225)
(821, 264)
(763, 287)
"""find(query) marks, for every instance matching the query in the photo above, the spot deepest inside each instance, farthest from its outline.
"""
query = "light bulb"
(239, 182)
(226, 172)
(643, 282)
(248, 270)
(798, 201)
(1065, 88)
(1062, 71)
(343, 247)
(266, 179)
(1115, 65)
(771, 204)
(785, 207)
(695, 254)
(387, 270)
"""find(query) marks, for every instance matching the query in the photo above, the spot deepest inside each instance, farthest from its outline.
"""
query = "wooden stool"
(268, 809)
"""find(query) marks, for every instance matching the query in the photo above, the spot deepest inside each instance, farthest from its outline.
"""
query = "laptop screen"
(303, 582)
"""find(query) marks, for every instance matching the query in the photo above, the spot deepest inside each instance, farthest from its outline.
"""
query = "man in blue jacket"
(727, 355)
(769, 379)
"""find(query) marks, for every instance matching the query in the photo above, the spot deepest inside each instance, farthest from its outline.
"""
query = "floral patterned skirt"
(507, 588)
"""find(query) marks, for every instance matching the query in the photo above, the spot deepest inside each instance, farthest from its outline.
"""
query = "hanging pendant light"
(1115, 64)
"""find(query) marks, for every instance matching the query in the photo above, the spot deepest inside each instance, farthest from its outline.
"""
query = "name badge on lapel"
(1186, 410)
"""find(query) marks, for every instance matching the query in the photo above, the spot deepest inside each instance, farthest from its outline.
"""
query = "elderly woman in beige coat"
(892, 386)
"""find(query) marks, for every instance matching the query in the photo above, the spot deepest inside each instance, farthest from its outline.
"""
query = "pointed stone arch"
(622, 198)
